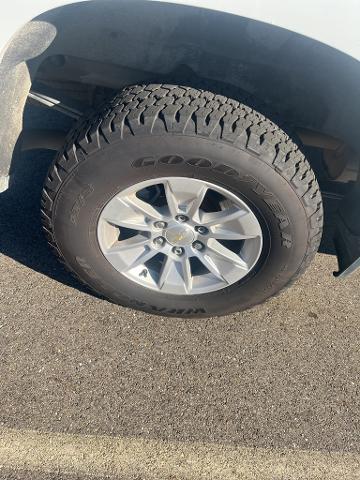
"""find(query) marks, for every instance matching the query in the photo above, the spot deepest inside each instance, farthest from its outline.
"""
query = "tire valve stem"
(143, 273)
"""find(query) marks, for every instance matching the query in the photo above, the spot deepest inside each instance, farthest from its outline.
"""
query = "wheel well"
(118, 43)
(107, 45)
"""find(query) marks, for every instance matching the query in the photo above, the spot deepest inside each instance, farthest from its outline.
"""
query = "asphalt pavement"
(89, 389)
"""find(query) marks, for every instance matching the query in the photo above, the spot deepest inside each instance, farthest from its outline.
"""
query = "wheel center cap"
(179, 236)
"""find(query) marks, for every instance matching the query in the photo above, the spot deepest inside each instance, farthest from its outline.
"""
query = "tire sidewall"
(115, 167)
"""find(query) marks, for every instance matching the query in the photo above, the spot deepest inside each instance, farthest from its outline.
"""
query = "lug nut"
(160, 225)
(198, 246)
(201, 230)
(159, 241)
(178, 251)
(181, 218)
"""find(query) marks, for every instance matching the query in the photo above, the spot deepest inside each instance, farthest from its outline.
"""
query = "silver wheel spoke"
(217, 251)
(175, 275)
(231, 224)
(131, 212)
(222, 263)
(186, 274)
(213, 268)
(131, 253)
(223, 216)
(184, 196)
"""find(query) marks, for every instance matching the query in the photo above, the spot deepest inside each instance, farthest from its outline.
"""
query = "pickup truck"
(203, 139)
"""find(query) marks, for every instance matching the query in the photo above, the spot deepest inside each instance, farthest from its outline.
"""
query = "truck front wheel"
(181, 202)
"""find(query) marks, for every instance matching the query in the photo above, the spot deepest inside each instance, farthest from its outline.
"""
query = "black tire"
(154, 131)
